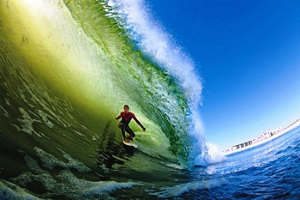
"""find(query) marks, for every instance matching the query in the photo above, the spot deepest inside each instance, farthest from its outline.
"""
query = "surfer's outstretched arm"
(118, 117)
(139, 123)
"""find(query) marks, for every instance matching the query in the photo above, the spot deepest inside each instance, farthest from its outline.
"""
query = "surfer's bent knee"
(121, 125)
(130, 131)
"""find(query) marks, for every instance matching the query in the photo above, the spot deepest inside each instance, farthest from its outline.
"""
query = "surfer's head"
(126, 108)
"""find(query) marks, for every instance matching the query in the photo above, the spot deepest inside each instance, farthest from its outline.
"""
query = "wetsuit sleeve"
(137, 121)
(119, 116)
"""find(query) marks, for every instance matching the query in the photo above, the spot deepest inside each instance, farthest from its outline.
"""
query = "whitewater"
(67, 69)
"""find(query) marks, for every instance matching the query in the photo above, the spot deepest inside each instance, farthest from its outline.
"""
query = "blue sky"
(247, 54)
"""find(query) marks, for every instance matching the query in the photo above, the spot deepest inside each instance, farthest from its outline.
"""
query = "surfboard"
(130, 144)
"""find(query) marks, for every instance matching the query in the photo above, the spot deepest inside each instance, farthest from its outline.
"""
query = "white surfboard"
(130, 144)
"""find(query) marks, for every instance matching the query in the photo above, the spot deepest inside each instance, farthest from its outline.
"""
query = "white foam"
(49, 161)
(100, 187)
(45, 117)
(215, 154)
(66, 183)
(11, 191)
(175, 166)
(27, 123)
(155, 42)
(167, 192)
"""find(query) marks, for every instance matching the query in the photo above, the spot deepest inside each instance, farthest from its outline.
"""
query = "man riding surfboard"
(124, 123)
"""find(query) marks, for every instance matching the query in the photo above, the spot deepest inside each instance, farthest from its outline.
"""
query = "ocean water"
(67, 69)
(268, 171)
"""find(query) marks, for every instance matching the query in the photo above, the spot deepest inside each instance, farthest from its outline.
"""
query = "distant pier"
(264, 137)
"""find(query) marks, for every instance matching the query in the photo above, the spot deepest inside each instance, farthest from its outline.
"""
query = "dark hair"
(126, 106)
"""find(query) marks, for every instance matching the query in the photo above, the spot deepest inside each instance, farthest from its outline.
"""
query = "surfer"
(124, 123)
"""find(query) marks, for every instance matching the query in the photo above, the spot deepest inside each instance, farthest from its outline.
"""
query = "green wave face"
(67, 69)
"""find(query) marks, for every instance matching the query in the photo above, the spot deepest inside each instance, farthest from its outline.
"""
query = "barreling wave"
(75, 63)
(149, 36)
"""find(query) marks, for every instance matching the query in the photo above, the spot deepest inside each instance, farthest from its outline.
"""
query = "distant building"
(264, 137)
